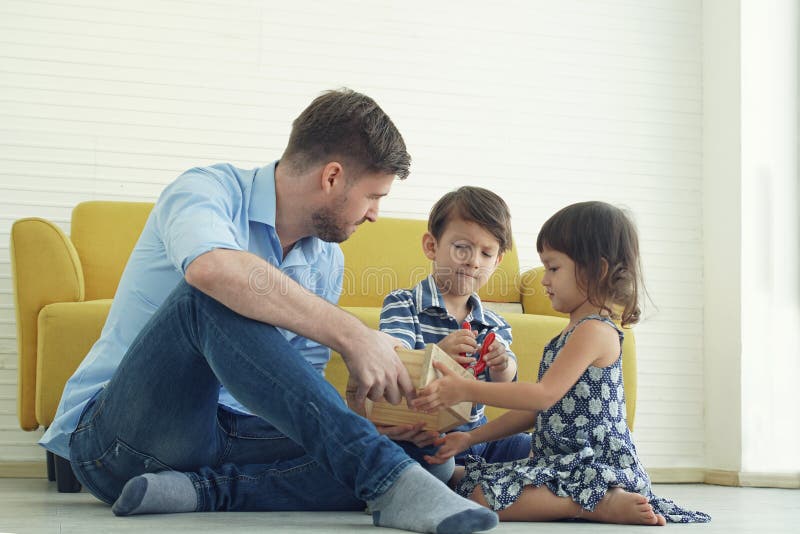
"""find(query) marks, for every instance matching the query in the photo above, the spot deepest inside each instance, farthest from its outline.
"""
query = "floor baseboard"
(770, 480)
(23, 469)
(677, 475)
(722, 477)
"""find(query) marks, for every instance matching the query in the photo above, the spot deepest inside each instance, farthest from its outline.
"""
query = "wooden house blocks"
(419, 364)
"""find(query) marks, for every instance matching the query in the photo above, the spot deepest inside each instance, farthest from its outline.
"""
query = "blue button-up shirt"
(418, 316)
(204, 209)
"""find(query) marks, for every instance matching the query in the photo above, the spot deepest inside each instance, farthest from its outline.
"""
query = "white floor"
(33, 506)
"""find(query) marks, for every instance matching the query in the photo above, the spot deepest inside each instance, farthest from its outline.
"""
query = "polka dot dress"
(581, 447)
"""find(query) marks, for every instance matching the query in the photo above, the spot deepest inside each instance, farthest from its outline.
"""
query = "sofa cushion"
(104, 234)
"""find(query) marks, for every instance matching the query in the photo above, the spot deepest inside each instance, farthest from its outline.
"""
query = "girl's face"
(560, 281)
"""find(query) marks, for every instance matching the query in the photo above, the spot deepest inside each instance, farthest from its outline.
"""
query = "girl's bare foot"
(620, 506)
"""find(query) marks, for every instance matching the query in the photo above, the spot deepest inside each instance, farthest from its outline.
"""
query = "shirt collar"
(263, 209)
(428, 298)
(262, 196)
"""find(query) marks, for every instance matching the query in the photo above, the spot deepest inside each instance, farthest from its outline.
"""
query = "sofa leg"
(51, 466)
(65, 478)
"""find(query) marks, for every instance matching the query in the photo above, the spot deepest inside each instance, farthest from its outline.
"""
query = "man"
(204, 391)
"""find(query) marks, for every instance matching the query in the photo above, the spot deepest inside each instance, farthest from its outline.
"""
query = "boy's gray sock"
(167, 492)
(419, 502)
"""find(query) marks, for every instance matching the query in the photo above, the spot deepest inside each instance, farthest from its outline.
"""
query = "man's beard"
(328, 225)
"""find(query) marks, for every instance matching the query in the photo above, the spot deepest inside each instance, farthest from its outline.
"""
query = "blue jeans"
(305, 451)
(507, 449)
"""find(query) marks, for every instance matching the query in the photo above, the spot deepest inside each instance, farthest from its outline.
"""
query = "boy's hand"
(413, 433)
(497, 357)
(458, 342)
(449, 445)
(442, 392)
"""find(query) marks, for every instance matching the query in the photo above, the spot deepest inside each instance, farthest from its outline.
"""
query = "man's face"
(356, 203)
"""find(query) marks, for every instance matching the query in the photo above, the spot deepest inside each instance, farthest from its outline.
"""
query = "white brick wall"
(547, 103)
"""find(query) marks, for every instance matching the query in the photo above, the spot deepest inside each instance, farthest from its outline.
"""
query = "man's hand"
(443, 392)
(413, 433)
(457, 343)
(376, 371)
(449, 445)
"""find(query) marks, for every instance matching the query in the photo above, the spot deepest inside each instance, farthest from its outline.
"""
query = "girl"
(583, 462)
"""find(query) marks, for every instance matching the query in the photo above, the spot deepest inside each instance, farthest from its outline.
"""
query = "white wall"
(770, 237)
(752, 239)
(545, 102)
(722, 232)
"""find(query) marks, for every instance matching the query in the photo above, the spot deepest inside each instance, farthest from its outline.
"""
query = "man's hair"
(602, 241)
(475, 204)
(347, 126)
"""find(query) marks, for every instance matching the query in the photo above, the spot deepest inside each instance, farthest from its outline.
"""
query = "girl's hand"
(414, 433)
(457, 343)
(497, 357)
(449, 445)
(443, 392)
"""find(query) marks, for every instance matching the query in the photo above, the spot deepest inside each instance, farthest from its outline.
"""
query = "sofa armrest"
(67, 330)
(45, 268)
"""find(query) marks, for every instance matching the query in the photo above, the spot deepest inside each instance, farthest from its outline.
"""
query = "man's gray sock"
(419, 502)
(443, 472)
(167, 492)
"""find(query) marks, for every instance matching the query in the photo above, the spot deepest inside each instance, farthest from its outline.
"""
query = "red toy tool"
(480, 364)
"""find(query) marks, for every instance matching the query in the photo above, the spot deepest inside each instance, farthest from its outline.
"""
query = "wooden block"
(419, 364)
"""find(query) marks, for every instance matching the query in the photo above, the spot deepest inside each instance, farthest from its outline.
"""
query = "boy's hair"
(590, 232)
(350, 127)
(477, 205)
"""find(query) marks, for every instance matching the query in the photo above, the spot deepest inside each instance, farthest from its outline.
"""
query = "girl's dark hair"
(602, 241)
(474, 204)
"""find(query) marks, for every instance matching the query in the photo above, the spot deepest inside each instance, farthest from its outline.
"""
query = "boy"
(469, 229)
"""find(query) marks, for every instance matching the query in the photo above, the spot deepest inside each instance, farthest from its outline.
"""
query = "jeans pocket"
(90, 412)
(106, 475)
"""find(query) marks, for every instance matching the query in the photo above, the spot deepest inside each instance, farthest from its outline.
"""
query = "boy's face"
(464, 257)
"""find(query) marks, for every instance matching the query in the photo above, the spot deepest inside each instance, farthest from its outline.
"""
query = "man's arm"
(252, 287)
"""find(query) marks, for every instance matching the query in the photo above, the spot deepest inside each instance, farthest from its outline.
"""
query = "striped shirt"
(418, 316)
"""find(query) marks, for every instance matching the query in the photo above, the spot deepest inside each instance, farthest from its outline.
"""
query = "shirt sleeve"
(333, 275)
(399, 319)
(195, 214)
(331, 286)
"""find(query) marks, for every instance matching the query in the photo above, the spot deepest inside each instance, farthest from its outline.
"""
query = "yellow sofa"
(63, 288)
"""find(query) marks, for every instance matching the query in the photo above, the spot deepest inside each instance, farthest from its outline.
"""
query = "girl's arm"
(591, 343)
(506, 425)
